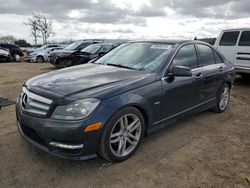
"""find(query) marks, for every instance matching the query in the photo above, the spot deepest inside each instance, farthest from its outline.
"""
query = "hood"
(88, 80)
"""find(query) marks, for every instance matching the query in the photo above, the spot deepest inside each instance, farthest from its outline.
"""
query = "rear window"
(229, 38)
(245, 39)
(206, 54)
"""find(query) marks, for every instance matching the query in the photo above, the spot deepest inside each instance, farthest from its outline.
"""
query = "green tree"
(22, 43)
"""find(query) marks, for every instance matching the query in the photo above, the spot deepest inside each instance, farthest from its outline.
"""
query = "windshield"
(138, 56)
(92, 49)
(73, 45)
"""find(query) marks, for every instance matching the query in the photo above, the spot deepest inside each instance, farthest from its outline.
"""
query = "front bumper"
(65, 139)
(241, 69)
(30, 59)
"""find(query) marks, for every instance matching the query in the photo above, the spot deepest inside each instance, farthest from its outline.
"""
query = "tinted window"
(51, 46)
(206, 54)
(229, 38)
(217, 57)
(84, 45)
(186, 56)
(106, 49)
(245, 39)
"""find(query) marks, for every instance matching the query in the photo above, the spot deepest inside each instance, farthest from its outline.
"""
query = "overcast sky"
(127, 19)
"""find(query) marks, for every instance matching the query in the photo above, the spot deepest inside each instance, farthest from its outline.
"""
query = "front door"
(179, 94)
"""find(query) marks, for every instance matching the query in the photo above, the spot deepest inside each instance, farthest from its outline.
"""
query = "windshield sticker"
(160, 46)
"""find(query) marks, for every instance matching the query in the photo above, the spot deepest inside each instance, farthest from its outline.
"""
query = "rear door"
(228, 43)
(212, 68)
(243, 51)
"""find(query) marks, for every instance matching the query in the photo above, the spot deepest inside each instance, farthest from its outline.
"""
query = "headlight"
(76, 110)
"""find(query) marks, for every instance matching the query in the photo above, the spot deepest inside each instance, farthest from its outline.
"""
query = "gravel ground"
(205, 150)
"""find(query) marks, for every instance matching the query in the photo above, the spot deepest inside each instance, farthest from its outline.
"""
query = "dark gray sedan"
(106, 107)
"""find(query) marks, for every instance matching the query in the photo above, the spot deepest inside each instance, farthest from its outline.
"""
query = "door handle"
(199, 76)
(221, 69)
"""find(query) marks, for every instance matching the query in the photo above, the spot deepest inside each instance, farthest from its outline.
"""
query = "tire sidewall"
(105, 136)
(39, 57)
(219, 97)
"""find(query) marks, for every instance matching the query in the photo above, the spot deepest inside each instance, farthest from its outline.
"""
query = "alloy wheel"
(125, 135)
(224, 98)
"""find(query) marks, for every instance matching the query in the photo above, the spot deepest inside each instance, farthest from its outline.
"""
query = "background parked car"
(91, 52)
(31, 50)
(14, 50)
(234, 44)
(41, 56)
(57, 57)
(5, 55)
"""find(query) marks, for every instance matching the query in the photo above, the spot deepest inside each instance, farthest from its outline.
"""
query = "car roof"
(237, 29)
(103, 44)
(170, 41)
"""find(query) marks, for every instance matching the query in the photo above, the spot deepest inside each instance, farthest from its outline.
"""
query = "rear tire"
(122, 135)
(222, 99)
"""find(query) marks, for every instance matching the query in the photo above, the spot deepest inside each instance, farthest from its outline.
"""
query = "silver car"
(5, 55)
(41, 56)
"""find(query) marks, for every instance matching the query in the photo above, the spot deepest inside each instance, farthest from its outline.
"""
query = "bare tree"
(33, 23)
(45, 26)
(40, 24)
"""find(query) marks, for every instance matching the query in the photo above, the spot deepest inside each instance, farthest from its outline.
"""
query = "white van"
(234, 44)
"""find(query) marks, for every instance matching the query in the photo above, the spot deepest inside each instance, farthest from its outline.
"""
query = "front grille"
(31, 134)
(34, 104)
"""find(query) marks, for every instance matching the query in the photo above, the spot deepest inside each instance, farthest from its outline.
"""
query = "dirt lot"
(206, 150)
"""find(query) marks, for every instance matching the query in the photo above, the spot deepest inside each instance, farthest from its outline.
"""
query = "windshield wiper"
(121, 66)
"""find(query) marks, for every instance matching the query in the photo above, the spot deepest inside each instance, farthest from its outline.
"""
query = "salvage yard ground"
(206, 150)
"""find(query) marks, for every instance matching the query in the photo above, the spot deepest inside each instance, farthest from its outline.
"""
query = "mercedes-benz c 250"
(106, 107)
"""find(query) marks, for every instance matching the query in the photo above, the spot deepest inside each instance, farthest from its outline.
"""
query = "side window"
(217, 57)
(186, 56)
(84, 45)
(229, 38)
(106, 49)
(52, 46)
(245, 39)
(206, 54)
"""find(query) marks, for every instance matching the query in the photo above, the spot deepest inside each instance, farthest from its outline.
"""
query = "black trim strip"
(243, 58)
(242, 53)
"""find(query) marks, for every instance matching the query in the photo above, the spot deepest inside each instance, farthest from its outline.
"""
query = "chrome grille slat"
(33, 103)
(37, 97)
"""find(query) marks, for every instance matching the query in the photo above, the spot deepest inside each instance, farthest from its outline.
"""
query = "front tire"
(40, 59)
(222, 99)
(122, 135)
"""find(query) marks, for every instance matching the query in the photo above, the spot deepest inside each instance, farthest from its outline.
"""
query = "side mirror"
(101, 54)
(180, 71)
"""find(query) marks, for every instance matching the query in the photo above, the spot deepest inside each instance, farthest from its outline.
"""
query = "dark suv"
(91, 52)
(61, 58)
(107, 107)
(13, 49)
